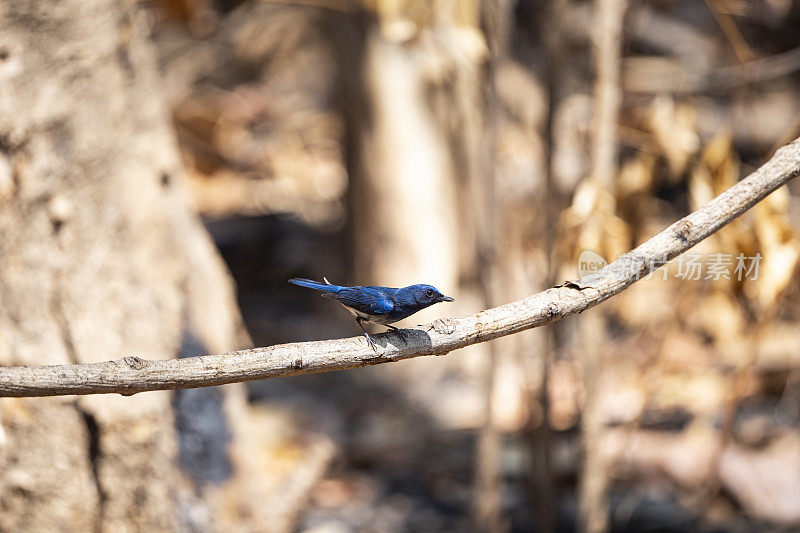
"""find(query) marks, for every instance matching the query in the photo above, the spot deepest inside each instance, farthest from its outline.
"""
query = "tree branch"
(130, 375)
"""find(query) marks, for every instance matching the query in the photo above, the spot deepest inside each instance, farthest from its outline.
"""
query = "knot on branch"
(136, 363)
(443, 326)
(684, 230)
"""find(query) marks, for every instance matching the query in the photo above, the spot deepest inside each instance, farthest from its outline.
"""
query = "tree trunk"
(423, 192)
(100, 257)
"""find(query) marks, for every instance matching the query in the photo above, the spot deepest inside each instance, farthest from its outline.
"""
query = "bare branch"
(130, 375)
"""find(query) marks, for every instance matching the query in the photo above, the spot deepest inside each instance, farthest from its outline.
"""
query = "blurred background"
(166, 166)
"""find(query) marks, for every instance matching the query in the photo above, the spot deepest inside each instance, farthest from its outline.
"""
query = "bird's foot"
(372, 344)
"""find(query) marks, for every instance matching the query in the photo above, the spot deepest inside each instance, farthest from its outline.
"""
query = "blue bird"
(381, 305)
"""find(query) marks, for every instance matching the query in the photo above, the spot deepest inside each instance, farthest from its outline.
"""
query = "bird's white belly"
(369, 318)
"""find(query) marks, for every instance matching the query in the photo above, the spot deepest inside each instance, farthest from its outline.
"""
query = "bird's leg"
(399, 332)
(371, 342)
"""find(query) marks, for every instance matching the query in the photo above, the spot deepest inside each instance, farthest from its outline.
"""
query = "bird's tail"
(311, 284)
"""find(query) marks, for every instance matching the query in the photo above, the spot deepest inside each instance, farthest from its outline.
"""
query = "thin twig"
(714, 81)
(130, 375)
(350, 8)
(541, 482)
(731, 31)
(487, 511)
(607, 39)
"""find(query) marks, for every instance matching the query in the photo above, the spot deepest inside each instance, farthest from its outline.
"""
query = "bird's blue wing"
(366, 300)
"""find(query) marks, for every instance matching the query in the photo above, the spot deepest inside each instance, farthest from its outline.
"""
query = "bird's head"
(425, 295)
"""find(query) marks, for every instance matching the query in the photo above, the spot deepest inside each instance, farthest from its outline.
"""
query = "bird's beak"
(447, 299)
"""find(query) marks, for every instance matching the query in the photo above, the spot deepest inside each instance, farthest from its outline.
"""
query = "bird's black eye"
(429, 292)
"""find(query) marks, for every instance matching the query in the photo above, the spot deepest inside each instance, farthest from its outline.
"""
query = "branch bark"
(130, 375)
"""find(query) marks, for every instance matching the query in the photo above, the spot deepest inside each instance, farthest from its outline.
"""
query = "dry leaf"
(673, 126)
(766, 482)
